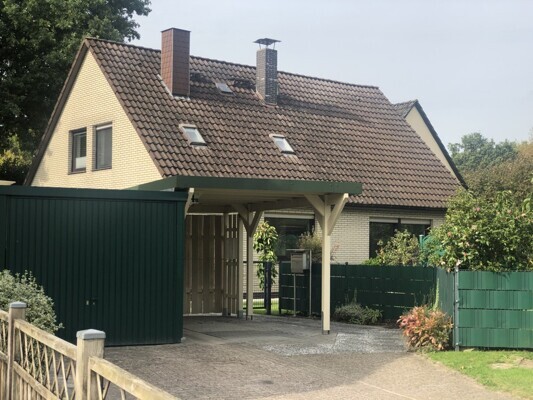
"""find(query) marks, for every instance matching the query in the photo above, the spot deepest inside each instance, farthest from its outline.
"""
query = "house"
(133, 117)
(416, 117)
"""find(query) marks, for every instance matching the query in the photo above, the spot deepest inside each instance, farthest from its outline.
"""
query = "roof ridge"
(242, 65)
(406, 102)
(287, 73)
(331, 80)
(121, 43)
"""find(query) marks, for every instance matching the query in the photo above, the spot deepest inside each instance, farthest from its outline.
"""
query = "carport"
(245, 200)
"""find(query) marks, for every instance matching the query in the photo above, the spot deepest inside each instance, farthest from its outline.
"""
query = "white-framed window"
(192, 134)
(78, 151)
(283, 144)
(103, 147)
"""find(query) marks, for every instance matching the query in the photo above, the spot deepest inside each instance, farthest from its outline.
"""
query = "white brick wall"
(90, 103)
(352, 233)
(351, 236)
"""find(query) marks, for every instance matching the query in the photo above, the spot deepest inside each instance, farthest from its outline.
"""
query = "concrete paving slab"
(285, 358)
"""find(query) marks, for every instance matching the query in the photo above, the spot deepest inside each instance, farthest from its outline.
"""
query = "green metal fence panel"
(110, 260)
(391, 289)
(496, 309)
(445, 290)
(497, 338)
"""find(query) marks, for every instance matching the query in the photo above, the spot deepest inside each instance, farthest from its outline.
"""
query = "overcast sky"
(469, 62)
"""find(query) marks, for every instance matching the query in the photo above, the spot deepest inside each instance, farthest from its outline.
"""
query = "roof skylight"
(192, 134)
(283, 144)
(223, 87)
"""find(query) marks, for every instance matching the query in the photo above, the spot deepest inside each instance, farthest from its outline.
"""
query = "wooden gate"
(211, 264)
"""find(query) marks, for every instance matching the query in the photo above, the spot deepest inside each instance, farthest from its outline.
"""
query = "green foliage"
(426, 328)
(489, 167)
(265, 242)
(40, 311)
(354, 313)
(38, 41)
(401, 249)
(313, 242)
(492, 234)
(14, 163)
(477, 152)
(513, 175)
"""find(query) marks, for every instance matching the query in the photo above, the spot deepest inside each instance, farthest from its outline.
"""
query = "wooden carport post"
(250, 221)
(327, 218)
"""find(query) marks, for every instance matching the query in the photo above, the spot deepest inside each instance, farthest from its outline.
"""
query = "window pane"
(283, 144)
(385, 230)
(289, 231)
(79, 150)
(380, 231)
(193, 135)
(103, 147)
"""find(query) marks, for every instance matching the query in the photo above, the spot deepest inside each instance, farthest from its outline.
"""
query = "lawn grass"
(506, 371)
(274, 308)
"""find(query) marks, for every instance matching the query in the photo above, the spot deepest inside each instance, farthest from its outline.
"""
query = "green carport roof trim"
(277, 185)
(207, 194)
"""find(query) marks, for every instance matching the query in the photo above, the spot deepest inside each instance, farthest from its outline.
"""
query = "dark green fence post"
(268, 287)
(456, 308)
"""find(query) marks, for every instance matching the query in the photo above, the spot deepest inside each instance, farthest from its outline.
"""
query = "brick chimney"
(266, 78)
(175, 47)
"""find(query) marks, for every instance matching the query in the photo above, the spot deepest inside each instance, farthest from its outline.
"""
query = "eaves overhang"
(220, 194)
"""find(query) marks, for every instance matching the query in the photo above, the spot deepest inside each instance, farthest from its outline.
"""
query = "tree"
(265, 241)
(38, 41)
(513, 175)
(476, 152)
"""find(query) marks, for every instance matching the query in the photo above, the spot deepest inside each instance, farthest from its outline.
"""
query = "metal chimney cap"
(266, 41)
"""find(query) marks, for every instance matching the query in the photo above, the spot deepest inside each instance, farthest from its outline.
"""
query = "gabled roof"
(340, 132)
(405, 108)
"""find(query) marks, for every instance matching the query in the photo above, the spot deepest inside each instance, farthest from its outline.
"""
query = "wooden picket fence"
(36, 365)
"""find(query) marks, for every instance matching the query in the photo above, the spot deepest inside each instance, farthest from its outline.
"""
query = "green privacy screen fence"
(492, 309)
(111, 260)
(389, 289)
(496, 309)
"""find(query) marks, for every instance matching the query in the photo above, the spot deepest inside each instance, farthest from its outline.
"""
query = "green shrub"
(401, 249)
(355, 313)
(426, 328)
(490, 234)
(24, 287)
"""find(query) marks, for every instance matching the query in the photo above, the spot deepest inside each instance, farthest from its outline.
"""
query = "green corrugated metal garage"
(111, 260)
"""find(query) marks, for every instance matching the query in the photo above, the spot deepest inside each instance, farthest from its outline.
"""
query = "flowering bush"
(426, 328)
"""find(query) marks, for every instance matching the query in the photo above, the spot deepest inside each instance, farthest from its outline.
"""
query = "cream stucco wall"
(91, 103)
(417, 123)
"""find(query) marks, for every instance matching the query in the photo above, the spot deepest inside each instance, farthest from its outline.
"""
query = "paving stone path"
(288, 358)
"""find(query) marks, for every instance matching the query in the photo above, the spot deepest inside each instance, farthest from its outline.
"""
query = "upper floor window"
(78, 150)
(102, 147)
(193, 135)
